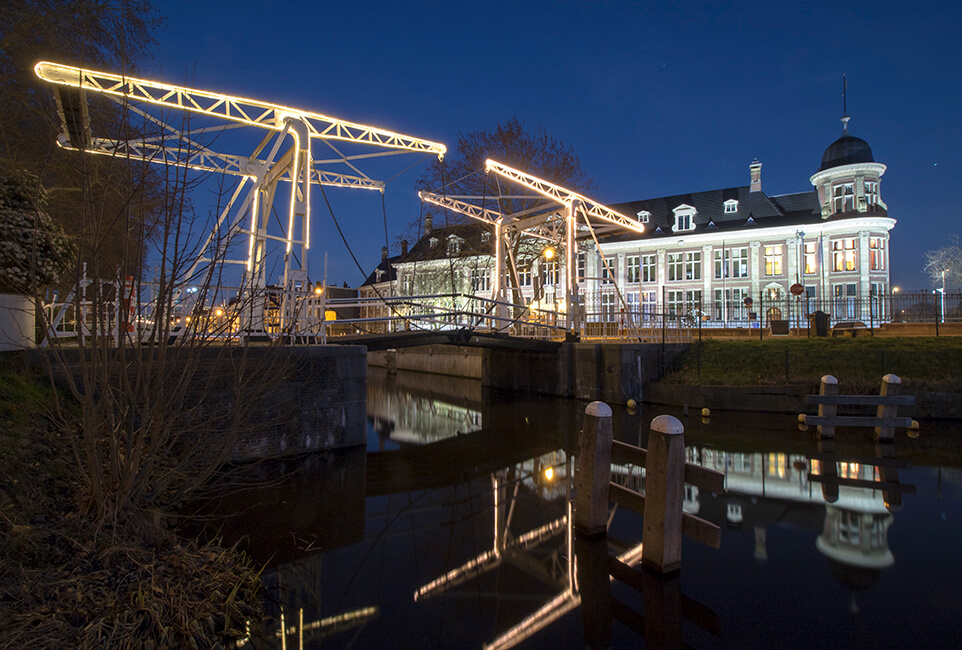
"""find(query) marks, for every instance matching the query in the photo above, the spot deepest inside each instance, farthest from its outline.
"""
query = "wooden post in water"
(594, 471)
(891, 385)
(829, 386)
(664, 495)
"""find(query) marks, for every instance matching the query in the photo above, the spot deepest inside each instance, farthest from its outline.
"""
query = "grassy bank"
(68, 582)
(930, 364)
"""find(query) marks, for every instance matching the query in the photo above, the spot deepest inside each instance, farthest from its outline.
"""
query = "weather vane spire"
(845, 117)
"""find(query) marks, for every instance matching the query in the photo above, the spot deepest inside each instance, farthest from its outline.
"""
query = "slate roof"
(387, 269)
(472, 239)
(755, 210)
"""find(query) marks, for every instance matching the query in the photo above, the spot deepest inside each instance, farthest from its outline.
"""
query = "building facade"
(733, 257)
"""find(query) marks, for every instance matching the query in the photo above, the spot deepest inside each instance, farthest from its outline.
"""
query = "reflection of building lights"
(549, 473)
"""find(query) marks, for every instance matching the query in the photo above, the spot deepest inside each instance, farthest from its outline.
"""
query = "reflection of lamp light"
(318, 289)
(548, 253)
(895, 289)
(219, 312)
(548, 473)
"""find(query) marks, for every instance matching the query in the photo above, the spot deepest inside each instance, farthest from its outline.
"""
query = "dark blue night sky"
(656, 98)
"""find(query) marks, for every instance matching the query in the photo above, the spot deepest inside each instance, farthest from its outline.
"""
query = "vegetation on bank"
(71, 580)
(923, 363)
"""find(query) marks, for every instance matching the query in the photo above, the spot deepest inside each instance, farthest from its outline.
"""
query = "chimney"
(383, 253)
(428, 225)
(404, 247)
(756, 170)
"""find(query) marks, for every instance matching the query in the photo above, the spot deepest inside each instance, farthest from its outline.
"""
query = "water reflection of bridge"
(484, 516)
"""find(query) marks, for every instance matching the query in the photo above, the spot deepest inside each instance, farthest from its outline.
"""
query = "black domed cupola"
(847, 150)
(848, 182)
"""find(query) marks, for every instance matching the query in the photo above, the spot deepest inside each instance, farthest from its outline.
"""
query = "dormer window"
(684, 218)
(731, 206)
(644, 216)
(434, 242)
(454, 245)
(485, 237)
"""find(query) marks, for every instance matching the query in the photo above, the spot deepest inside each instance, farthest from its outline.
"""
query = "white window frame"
(731, 206)
(633, 269)
(644, 216)
(774, 260)
(649, 265)
(876, 254)
(684, 218)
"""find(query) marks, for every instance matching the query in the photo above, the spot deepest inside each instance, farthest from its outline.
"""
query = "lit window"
(773, 260)
(876, 253)
(843, 196)
(843, 255)
(811, 257)
(731, 206)
(644, 216)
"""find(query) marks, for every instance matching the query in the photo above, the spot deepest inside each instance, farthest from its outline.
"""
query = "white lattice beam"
(564, 196)
(235, 109)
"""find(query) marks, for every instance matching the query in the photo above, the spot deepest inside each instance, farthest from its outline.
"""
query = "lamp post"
(942, 297)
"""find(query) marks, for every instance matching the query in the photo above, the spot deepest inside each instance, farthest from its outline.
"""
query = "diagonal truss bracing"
(284, 155)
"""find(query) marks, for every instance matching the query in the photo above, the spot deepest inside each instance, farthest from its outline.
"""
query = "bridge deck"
(465, 337)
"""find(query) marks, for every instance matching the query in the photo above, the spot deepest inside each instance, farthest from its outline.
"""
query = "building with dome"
(737, 256)
(731, 257)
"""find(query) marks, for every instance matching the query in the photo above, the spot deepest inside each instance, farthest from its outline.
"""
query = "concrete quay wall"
(611, 372)
(614, 372)
(452, 360)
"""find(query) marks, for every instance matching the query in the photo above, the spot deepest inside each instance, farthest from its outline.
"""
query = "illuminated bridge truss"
(283, 155)
(558, 216)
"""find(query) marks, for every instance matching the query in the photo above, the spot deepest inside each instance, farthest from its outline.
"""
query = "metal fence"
(691, 309)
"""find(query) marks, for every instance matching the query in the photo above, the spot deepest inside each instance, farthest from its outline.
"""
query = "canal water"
(451, 530)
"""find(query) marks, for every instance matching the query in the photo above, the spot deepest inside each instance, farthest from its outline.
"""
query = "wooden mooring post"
(666, 475)
(594, 471)
(664, 495)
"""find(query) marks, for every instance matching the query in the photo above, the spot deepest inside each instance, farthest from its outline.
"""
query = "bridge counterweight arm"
(236, 109)
(564, 196)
